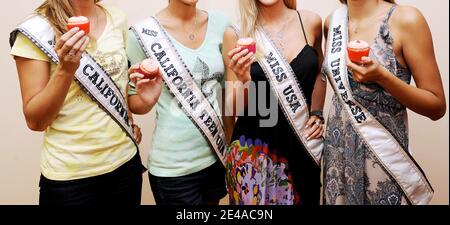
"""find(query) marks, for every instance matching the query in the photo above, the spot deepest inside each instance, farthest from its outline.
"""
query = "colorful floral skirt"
(257, 175)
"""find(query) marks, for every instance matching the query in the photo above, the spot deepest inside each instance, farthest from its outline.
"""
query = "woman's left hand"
(369, 72)
(315, 126)
(137, 133)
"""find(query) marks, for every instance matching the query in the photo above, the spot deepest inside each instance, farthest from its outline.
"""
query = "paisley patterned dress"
(352, 173)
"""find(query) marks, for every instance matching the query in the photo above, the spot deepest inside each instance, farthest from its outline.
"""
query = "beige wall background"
(20, 148)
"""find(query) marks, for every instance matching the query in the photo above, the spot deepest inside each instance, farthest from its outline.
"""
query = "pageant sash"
(285, 85)
(396, 160)
(91, 77)
(156, 44)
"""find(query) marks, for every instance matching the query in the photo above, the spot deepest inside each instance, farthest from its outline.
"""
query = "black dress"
(269, 165)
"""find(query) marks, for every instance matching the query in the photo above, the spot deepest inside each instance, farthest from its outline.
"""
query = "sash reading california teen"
(285, 85)
(395, 160)
(91, 77)
(156, 44)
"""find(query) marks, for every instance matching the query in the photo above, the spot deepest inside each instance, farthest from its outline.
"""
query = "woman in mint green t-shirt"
(183, 169)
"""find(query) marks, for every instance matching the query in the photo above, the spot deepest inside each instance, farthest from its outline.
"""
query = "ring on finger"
(71, 54)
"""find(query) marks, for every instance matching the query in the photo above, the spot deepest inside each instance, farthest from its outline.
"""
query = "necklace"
(95, 16)
(357, 27)
(192, 34)
(279, 35)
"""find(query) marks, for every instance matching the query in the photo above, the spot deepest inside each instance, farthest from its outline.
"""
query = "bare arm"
(320, 87)
(237, 76)
(147, 92)
(43, 95)
(427, 98)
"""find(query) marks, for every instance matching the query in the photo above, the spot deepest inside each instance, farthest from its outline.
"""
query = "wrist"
(245, 78)
(383, 76)
(62, 71)
(148, 103)
(318, 114)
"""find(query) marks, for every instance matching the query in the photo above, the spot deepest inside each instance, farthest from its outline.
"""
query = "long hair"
(390, 1)
(249, 16)
(57, 12)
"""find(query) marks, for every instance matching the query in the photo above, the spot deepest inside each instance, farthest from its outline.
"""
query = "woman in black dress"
(269, 165)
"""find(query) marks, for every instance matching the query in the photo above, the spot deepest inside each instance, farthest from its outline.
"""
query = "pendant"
(192, 37)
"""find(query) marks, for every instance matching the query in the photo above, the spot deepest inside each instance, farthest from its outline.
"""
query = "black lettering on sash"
(127, 120)
(288, 90)
(291, 98)
(337, 37)
(208, 121)
(104, 88)
(163, 63)
(187, 93)
(294, 106)
(361, 118)
(114, 100)
(220, 144)
(160, 55)
(177, 81)
(108, 93)
(155, 46)
(280, 75)
(173, 72)
(356, 109)
(194, 104)
(171, 67)
(273, 66)
(212, 127)
(335, 64)
(94, 78)
(85, 70)
(100, 84)
(344, 95)
(119, 107)
(149, 32)
(270, 58)
(182, 87)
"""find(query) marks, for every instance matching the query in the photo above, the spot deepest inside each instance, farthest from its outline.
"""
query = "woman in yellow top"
(87, 158)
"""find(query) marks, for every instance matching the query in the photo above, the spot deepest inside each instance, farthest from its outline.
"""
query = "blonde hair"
(390, 1)
(249, 16)
(57, 12)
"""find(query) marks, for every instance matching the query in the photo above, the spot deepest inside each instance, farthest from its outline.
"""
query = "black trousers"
(200, 188)
(121, 187)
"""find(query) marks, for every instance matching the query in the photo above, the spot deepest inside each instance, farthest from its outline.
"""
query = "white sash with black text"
(156, 44)
(396, 160)
(91, 77)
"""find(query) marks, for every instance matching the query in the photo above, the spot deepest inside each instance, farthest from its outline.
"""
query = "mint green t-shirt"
(178, 147)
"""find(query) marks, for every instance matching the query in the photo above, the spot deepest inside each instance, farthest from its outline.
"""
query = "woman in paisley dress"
(401, 49)
(269, 165)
